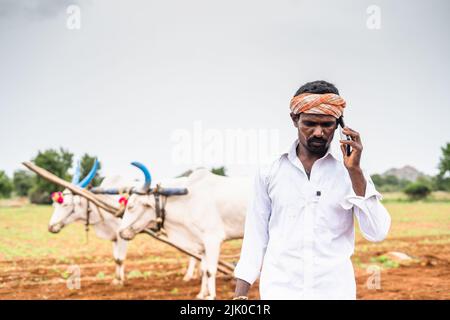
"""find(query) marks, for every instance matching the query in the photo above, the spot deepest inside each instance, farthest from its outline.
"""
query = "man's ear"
(295, 118)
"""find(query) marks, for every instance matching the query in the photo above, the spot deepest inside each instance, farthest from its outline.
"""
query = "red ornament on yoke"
(57, 197)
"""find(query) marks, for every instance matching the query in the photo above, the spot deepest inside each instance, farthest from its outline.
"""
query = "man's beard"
(316, 145)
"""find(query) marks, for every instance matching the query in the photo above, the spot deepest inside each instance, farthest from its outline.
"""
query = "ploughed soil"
(158, 274)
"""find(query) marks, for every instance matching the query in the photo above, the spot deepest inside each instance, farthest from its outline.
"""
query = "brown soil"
(427, 278)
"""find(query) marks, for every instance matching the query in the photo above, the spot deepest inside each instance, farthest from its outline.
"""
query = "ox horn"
(148, 177)
(98, 201)
(90, 176)
(76, 175)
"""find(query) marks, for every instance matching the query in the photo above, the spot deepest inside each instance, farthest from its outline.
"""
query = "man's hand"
(352, 162)
(242, 288)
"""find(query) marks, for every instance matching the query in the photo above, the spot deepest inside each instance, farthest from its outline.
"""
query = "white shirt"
(299, 243)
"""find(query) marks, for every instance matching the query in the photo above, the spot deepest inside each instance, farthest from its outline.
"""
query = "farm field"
(35, 264)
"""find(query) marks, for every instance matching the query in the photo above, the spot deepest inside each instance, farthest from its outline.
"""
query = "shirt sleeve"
(373, 218)
(256, 233)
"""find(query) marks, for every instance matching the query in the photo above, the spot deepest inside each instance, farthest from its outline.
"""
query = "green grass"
(23, 233)
(436, 196)
(385, 262)
(415, 219)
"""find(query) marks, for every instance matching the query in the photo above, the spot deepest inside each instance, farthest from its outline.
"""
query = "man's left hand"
(352, 162)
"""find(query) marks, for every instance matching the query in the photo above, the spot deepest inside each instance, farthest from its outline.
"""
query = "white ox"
(75, 208)
(213, 211)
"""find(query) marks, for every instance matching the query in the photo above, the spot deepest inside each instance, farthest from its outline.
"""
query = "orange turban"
(328, 103)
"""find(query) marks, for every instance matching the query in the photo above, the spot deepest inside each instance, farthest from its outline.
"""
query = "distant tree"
(443, 177)
(428, 181)
(86, 163)
(6, 185)
(56, 161)
(444, 163)
(435, 183)
(389, 183)
(417, 190)
(377, 180)
(23, 181)
(187, 173)
(391, 180)
(221, 171)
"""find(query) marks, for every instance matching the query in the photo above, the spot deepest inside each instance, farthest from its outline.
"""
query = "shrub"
(23, 182)
(6, 186)
(55, 161)
(417, 190)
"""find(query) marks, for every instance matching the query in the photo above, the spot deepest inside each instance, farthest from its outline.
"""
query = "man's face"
(315, 132)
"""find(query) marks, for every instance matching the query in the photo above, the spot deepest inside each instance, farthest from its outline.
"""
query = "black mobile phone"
(347, 147)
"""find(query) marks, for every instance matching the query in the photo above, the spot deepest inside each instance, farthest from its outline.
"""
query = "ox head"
(139, 212)
(69, 207)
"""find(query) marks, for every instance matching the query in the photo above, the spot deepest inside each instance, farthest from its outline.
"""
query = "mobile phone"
(344, 137)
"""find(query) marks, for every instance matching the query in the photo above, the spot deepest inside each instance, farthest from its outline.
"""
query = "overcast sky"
(138, 73)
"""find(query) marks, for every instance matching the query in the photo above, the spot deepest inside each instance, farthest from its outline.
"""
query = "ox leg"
(212, 252)
(204, 285)
(190, 273)
(119, 252)
(209, 269)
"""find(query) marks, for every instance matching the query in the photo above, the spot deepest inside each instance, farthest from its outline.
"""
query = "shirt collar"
(292, 153)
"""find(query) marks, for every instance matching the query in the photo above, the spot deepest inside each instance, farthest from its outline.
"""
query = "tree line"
(26, 184)
(423, 185)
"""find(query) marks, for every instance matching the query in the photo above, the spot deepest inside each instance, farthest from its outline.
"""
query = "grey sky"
(138, 70)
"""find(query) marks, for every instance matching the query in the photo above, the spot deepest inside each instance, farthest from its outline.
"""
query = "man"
(299, 229)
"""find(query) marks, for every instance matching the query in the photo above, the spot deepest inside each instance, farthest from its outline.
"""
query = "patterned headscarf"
(328, 103)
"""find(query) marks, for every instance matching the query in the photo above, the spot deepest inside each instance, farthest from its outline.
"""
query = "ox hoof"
(189, 278)
(200, 296)
(117, 282)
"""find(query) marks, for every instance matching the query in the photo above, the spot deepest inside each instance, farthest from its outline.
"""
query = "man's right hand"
(242, 288)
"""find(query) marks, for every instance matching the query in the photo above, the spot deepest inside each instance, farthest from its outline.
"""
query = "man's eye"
(309, 124)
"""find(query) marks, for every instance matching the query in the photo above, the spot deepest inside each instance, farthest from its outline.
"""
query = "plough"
(117, 210)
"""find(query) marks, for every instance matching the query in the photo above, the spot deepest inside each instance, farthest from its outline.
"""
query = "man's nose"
(318, 132)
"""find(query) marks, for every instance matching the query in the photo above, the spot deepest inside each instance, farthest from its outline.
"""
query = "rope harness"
(159, 209)
(88, 216)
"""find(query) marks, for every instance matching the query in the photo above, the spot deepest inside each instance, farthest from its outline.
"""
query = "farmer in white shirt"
(299, 230)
